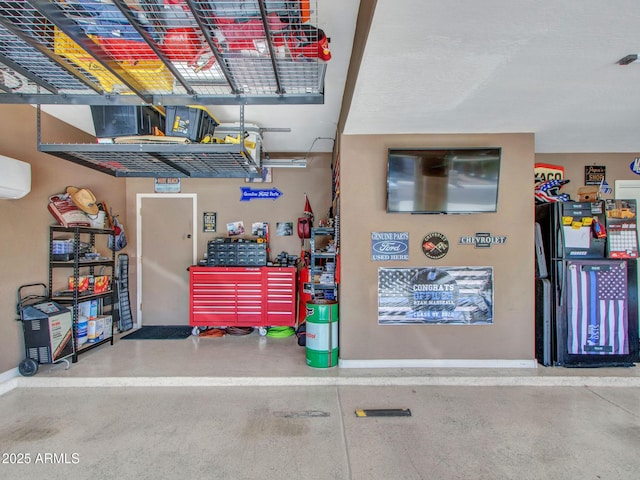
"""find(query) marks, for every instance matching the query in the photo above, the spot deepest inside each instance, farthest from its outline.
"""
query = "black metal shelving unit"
(76, 264)
(319, 260)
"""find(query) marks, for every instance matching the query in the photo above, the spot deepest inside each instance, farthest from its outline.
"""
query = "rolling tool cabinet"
(242, 296)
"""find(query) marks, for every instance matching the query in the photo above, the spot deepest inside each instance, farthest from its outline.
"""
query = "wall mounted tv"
(443, 180)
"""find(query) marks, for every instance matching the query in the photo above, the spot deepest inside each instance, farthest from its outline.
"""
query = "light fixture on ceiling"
(632, 57)
(285, 163)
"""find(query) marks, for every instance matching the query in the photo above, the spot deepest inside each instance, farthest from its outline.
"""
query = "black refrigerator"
(586, 302)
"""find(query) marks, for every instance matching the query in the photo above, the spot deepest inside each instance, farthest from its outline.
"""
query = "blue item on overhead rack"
(105, 20)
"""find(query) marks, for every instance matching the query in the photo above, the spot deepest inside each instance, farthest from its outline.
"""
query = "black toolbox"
(194, 123)
(125, 120)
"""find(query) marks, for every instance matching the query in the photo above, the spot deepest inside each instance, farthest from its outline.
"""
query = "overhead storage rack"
(241, 159)
(160, 160)
(162, 53)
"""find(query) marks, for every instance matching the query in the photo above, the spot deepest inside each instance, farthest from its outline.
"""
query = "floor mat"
(160, 332)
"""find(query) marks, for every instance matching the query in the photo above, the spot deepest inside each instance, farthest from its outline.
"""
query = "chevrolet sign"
(483, 240)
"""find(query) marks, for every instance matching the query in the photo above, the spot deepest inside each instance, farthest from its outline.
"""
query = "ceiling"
(469, 67)
(498, 66)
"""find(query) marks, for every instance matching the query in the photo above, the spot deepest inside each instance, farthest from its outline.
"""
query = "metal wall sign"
(167, 185)
(635, 166)
(482, 240)
(594, 174)
(435, 295)
(435, 245)
(389, 246)
(247, 194)
(209, 221)
(544, 171)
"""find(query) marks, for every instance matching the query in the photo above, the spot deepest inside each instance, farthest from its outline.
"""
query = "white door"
(630, 190)
(166, 249)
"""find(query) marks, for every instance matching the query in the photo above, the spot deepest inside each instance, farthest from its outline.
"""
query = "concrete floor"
(249, 407)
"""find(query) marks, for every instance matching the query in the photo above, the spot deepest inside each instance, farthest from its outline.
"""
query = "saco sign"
(545, 171)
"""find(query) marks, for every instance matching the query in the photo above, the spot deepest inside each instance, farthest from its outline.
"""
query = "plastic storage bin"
(123, 120)
(193, 123)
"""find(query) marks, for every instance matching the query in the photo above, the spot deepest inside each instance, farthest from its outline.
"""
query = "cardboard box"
(88, 309)
(95, 330)
(108, 326)
(100, 283)
(83, 283)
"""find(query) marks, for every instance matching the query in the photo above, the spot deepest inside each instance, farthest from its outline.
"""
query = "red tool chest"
(242, 296)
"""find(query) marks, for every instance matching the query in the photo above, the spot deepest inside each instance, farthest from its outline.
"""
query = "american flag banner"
(597, 311)
(442, 295)
(604, 187)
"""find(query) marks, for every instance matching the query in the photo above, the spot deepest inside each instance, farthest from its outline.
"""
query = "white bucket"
(97, 221)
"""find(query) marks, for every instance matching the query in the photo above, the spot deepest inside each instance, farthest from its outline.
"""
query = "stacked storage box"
(125, 120)
(236, 254)
(62, 250)
(194, 123)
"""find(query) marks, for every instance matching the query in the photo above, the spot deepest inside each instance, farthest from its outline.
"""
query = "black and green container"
(194, 123)
(322, 333)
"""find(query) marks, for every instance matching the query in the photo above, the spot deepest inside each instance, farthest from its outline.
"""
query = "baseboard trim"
(419, 379)
(437, 363)
(9, 380)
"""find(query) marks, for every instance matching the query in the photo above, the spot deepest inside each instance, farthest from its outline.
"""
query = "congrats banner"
(435, 295)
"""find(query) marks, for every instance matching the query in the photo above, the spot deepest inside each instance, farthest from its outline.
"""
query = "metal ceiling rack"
(161, 53)
(154, 159)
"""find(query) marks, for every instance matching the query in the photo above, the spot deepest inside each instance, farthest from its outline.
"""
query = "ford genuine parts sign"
(389, 246)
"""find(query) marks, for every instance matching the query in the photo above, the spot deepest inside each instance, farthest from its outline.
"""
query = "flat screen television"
(443, 180)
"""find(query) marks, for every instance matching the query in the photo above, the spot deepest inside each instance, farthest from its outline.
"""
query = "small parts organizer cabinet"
(323, 265)
(242, 296)
(78, 275)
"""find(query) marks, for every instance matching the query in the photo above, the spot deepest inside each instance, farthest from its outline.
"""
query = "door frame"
(623, 184)
(194, 239)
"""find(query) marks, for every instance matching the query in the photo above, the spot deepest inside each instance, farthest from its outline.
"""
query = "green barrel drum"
(322, 333)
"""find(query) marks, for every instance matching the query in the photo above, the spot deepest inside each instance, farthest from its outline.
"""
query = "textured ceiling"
(503, 66)
(465, 66)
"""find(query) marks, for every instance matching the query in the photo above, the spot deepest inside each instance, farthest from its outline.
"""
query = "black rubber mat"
(160, 332)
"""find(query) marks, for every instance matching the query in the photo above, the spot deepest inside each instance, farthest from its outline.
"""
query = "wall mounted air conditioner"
(15, 178)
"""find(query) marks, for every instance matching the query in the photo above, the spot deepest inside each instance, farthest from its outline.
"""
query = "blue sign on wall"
(247, 194)
(389, 246)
